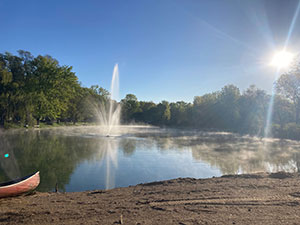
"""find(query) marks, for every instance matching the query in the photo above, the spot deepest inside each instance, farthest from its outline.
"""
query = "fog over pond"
(83, 158)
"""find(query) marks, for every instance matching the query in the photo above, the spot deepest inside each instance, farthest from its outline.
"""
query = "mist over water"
(82, 158)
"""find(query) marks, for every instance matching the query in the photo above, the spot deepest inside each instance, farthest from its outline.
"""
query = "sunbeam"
(292, 26)
(267, 131)
(224, 35)
(278, 59)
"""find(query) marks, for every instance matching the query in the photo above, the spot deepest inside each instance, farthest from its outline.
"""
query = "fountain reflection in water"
(109, 117)
(110, 149)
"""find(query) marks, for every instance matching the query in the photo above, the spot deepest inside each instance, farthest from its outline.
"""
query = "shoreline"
(260, 198)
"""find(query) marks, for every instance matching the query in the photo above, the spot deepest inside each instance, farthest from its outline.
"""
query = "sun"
(282, 59)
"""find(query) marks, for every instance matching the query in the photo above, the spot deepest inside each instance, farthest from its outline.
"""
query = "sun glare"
(282, 59)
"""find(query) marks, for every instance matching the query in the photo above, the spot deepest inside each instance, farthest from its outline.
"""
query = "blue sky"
(166, 49)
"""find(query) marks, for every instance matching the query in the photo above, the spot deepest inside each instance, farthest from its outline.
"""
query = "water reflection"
(128, 146)
(233, 153)
(108, 148)
(84, 159)
(55, 156)
(7, 159)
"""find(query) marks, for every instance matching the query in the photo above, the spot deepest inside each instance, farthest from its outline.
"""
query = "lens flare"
(282, 59)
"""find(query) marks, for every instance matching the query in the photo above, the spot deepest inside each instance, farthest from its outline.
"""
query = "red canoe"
(20, 186)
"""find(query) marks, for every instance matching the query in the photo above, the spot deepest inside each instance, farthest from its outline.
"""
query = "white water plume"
(109, 115)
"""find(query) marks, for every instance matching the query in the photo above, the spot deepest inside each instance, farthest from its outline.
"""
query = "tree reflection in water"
(232, 153)
(108, 154)
(58, 153)
(53, 155)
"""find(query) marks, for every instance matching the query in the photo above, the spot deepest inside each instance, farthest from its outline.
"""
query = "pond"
(83, 158)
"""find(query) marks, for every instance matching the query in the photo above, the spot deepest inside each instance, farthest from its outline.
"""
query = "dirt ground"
(243, 199)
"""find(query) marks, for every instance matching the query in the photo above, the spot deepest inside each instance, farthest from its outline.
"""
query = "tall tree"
(228, 108)
(5, 79)
(253, 110)
(180, 113)
(283, 111)
(53, 87)
(205, 110)
(130, 106)
(288, 85)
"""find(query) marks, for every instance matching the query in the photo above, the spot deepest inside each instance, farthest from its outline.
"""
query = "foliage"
(130, 106)
(41, 89)
(227, 109)
(34, 89)
(253, 111)
(288, 85)
(290, 131)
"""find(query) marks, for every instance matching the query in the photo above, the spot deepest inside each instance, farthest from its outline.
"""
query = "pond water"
(83, 158)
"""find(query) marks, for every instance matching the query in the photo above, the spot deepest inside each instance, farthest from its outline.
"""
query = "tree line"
(224, 110)
(34, 89)
(229, 109)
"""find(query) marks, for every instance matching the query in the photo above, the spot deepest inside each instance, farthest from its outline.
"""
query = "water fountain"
(109, 113)
(109, 117)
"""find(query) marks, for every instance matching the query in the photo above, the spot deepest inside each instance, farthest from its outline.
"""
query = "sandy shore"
(244, 199)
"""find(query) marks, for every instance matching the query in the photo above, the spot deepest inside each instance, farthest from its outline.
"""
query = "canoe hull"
(23, 186)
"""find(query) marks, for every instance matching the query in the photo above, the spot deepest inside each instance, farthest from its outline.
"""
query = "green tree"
(283, 111)
(96, 99)
(288, 85)
(166, 115)
(161, 114)
(228, 108)
(130, 106)
(205, 111)
(13, 82)
(180, 113)
(253, 110)
(41, 89)
(145, 113)
(5, 79)
(53, 86)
